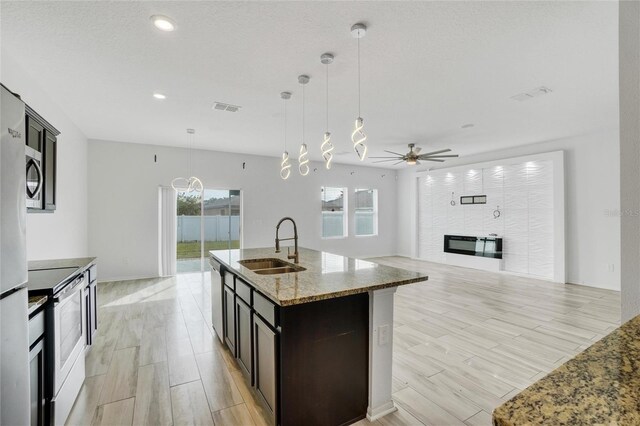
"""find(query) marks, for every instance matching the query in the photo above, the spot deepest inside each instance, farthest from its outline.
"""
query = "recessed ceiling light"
(159, 96)
(163, 23)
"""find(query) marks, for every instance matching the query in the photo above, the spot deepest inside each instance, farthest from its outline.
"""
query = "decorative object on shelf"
(496, 212)
(358, 137)
(285, 164)
(303, 157)
(327, 146)
(414, 157)
(453, 201)
(191, 184)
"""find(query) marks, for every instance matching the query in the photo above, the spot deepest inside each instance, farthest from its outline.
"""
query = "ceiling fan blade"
(417, 162)
(384, 157)
(401, 161)
(432, 159)
(396, 153)
(417, 150)
(381, 161)
(437, 156)
(437, 152)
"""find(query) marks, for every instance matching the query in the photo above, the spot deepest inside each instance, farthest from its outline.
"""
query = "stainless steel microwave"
(35, 179)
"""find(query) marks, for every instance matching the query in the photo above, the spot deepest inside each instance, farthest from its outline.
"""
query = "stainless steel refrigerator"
(14, 333)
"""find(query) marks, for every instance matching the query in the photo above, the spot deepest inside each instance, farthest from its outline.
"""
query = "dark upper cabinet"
(43, 138)
(35, 134)
(50, 165)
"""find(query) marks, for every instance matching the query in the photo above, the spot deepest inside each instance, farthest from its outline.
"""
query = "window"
(334, 204)
(366, 203)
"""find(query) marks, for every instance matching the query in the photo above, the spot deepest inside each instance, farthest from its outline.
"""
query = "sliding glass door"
(208, 222)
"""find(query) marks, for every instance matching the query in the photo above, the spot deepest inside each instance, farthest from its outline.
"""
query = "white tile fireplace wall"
(522, 207)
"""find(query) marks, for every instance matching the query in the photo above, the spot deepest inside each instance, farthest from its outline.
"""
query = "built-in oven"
(68, 340)
(35, 178)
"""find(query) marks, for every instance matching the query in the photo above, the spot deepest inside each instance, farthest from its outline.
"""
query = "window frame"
(345, 216)
(374, 216)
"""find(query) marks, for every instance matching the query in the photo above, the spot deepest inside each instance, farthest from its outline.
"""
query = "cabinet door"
(243, 342)
(36, 381)
(49, 160)
(35, 135)
(265, 355)
(229, 319)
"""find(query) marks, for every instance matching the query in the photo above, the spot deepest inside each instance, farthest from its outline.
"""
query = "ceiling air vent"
(533, 93)
(221, 106)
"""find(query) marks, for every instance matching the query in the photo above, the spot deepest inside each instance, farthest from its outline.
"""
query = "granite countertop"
(35, 302)
(327, 275)
(601, 385)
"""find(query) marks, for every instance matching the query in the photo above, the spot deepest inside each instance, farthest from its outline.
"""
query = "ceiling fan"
(414, 156)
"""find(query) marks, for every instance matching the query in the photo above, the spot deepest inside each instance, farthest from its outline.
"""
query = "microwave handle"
(35, 193)
(69, 290)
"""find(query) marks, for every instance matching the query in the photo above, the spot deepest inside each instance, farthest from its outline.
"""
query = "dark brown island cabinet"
(308, 363)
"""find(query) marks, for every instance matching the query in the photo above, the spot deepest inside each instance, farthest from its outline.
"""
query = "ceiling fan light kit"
(414, 157)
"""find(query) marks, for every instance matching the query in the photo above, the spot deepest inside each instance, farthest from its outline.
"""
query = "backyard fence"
(216, 228)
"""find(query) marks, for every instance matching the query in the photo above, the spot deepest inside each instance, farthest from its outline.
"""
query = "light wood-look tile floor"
(464, 342)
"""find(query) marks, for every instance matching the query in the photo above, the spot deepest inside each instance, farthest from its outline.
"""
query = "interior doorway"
(207, 221)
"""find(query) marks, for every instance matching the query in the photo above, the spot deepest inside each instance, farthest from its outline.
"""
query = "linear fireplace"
(474, 246)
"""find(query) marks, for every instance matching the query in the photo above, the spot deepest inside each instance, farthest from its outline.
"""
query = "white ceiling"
(427, 69)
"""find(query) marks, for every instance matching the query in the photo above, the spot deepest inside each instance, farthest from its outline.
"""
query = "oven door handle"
(69, 290)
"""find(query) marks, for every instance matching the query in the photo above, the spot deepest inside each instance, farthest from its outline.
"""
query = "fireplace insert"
(474, 246)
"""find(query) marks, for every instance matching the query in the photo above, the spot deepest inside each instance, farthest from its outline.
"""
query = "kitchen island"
(601, 385)
(316, 344)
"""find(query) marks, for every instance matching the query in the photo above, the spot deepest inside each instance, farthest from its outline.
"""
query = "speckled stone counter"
(599, 386)
(327, 275)
(35, 302)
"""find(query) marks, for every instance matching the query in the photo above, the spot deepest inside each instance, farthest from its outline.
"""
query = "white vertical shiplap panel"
(473, 222)
(491, 224)
(493, 178)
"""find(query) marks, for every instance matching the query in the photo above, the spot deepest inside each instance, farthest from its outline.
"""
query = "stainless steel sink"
(270, 266)
(283, 270)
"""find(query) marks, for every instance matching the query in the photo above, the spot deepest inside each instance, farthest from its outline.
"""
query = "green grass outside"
(191, 249)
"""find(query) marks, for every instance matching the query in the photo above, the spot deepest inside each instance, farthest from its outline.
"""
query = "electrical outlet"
(383, 335)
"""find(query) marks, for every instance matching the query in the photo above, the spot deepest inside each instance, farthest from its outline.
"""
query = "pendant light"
(327, 146)
(191, 184)
(285, 164)
(303, 158)
(358, 137)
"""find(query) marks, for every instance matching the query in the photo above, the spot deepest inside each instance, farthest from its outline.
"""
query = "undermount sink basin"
(270, 266)
(283, 270)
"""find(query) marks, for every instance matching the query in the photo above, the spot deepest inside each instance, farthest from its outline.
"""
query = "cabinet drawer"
(243, 290)
(228, 279)
(36, 328)
(265, 308)
(93, 273)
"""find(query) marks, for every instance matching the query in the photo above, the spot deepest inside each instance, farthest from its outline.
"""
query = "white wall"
(592, 203)
(630, 155)
(123, 216)
(529, 192)
(64, 233)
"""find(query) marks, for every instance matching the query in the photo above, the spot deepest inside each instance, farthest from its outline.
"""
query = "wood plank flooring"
(464, 342)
